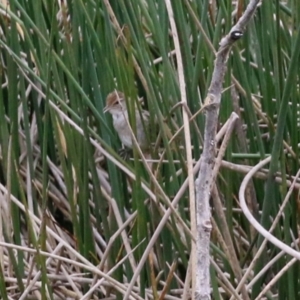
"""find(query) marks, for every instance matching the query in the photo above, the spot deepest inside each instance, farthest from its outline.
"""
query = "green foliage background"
(59, 163)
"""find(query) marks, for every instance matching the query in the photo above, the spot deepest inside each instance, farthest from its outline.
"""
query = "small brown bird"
(116, 106)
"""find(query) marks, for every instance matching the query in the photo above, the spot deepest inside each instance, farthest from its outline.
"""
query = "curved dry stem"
(263, 245)
(287, 249)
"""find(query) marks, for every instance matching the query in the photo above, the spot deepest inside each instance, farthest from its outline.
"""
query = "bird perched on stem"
(116, 106)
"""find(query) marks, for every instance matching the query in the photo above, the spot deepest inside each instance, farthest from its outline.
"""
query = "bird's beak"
(105, 109)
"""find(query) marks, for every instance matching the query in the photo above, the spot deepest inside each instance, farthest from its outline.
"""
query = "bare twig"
(205, 180)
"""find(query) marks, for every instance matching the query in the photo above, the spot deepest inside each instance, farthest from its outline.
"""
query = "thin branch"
(206, 179)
